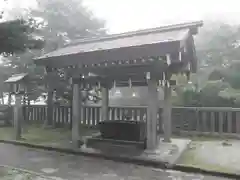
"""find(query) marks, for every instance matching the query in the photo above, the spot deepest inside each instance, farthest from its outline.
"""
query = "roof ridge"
(171, 27)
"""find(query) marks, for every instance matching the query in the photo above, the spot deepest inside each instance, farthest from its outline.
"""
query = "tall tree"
(218, 54)
(66, 21)
(60, 23)
(16, 36)
(217, 46)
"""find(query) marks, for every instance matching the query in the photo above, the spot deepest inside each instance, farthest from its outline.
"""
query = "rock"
(226, 143)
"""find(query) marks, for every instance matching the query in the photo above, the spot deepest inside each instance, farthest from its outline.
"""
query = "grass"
(3, 172)
(190, 158)
(36, 134)
(200, 137)
(11, 174)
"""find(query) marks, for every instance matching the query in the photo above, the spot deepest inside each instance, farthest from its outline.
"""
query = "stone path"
(84, 168)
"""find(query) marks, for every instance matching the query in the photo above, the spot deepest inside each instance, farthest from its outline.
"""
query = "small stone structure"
(17, 84)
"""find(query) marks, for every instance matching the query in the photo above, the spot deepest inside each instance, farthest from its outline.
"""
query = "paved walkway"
(84, 168)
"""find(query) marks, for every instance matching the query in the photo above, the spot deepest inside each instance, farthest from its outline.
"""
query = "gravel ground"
(73, 167)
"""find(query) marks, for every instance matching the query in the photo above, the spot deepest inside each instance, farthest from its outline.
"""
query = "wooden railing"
(91, 115)
(193, 120)
(207, 120)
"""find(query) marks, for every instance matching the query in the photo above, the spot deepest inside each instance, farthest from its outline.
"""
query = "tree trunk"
(9, 98)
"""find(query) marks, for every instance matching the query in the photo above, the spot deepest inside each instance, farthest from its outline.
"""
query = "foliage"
(76, 23)
(217, 48)
(218, 45)
(60, 23)
(17, 36)
(218, 53)
(208, 96)
(63, 91)
(229, 74)
(63, 22)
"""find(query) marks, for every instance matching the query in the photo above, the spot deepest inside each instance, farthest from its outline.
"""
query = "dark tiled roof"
(130, 39)
(135, 40)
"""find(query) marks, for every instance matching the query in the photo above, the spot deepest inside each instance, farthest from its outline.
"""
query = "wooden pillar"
(18, 116)
(152, 110)
(105, 103)
(167, 114)
(76, 115)
(51, 78)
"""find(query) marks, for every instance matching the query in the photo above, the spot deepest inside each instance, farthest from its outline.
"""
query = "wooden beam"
(191, 54)
(134, 84)
(76, 115)
(120, 79)
(120, 69)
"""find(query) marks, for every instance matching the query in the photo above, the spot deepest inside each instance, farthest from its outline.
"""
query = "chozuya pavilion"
(146, 57)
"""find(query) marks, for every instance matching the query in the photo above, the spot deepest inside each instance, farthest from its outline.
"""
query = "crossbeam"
(109, 70)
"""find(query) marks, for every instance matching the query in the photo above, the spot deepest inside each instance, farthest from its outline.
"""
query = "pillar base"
(76, 144)
(167, 140)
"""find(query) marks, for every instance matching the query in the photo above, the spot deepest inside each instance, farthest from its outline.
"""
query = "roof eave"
(125, 53)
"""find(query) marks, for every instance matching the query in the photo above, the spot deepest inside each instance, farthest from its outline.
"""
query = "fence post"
(238, 122)
(105, 103)
(229, 122)
(221, 122)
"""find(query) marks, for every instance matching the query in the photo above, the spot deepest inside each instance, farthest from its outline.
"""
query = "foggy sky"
(125, 15)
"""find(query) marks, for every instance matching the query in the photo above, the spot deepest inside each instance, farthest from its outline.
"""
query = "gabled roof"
(125, 46)
(16, 78)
